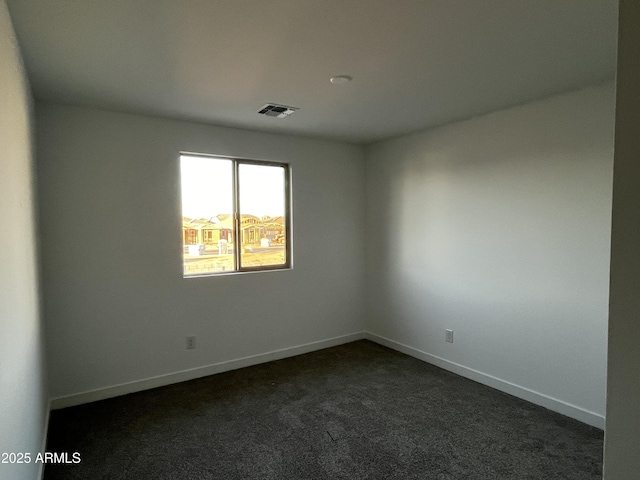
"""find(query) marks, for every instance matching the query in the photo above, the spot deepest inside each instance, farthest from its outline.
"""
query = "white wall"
(23, 396)
(116, 305)
(498, 227)
(622, 438)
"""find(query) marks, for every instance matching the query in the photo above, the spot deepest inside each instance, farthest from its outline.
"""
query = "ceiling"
(415, 63)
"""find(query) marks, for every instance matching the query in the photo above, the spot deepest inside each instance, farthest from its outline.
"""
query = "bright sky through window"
(261, 190)
(209, 191)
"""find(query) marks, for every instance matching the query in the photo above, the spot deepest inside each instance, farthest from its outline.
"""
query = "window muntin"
(235, 215)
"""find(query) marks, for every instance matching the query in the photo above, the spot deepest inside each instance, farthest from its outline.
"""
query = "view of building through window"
(234, 215)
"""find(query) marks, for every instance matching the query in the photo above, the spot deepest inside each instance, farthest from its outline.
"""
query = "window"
(235, 215)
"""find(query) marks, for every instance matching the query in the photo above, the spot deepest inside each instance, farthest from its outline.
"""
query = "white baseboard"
(573, 411)
(182, 376)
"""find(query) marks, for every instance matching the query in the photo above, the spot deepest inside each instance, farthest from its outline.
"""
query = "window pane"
(262, 215)
(207, 215)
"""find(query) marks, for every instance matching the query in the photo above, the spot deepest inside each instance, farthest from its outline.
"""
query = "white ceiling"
(415, 63)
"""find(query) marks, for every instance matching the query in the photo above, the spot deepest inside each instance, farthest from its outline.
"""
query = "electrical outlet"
(449, 335)
(191, 342)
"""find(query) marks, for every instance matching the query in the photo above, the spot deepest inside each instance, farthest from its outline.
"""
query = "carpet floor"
(357, 411)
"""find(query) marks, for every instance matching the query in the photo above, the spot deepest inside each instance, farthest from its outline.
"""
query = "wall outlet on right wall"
(449, 336)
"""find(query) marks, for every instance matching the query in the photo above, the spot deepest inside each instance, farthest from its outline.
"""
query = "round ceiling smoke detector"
(339, 79)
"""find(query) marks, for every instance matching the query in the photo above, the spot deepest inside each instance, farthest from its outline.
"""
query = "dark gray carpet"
(350, 412)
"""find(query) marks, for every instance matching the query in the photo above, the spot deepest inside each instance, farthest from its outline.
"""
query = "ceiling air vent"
(275, 110)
